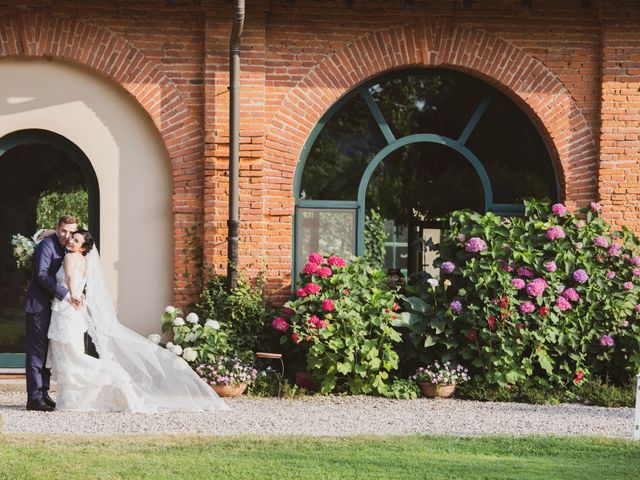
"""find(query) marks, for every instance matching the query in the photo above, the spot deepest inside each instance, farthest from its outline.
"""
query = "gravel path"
(333, 416)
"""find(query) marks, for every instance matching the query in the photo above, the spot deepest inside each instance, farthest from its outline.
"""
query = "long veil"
(161, 380)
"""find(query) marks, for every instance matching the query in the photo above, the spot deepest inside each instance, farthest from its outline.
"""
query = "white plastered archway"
(132, 166)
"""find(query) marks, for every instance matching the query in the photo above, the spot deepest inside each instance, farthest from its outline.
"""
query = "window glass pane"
(341, 153)
(328, 231)
(513, 153)
(428, 101)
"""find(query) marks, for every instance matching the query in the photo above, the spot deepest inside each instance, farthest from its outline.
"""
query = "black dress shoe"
(48, 400)
(39, 405)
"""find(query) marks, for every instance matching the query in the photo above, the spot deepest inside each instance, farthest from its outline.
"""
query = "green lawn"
(421, 457)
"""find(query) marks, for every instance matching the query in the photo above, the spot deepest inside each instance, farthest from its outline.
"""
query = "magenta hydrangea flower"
(627, 285)
(327, 305)
(580, 276)
(524, 272)
(456, 306)
(288, 311)
(475, 245)
(563, 304)
(316, 258)
(614, 252)
(313, 320)
(536, 287)
(310, 268)
(595, 207)
(611, 275)
(280, 324)
(635, 261)
(550, 266)
(518, 283)
(311, 288)
(325, 272)
(559, 210)
(636, 272)
(607, 341)
(554, 233)
(322, 324)
(601, 242)
(527, 307)
(301, 292)
(336, 261)
(579, 245)
(447, 267)
(505, 266)
(571, 294)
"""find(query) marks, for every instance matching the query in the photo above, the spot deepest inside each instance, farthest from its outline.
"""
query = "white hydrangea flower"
(560, 288)
(169, 345)
(178, 321)
(170, 310)
(190, 337)
(177, 349)
(212, 324)
(189, 354)
(155, 338)
(433, 282)
(192, 318)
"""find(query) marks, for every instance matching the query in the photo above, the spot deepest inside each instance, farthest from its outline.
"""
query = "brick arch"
(39, 34)
(522, 77)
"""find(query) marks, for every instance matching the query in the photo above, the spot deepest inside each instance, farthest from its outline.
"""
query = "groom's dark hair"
(88, 240)
(67, 220)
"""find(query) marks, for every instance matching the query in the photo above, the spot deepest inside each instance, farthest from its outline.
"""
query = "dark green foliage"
(52, 205)
(374, 237)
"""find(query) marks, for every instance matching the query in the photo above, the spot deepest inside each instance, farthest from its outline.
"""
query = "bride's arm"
(70, 263)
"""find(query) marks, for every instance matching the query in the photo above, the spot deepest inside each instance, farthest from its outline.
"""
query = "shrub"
(550, 296)
(402, 389)
(341, 323)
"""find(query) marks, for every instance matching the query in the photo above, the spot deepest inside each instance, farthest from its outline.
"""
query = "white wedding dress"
(132, 374)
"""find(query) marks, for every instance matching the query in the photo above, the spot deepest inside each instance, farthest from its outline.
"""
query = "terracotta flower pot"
(434, 390)
(230, 390)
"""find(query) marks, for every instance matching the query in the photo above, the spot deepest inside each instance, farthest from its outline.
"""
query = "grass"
(416, 457)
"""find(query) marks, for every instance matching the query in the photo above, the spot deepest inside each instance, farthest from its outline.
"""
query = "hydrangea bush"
(551, 296)
(341, 322)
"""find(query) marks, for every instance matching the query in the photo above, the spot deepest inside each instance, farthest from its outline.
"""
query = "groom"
(47, 260)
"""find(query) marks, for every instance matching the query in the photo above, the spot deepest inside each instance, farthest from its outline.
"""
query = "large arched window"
(414, 145)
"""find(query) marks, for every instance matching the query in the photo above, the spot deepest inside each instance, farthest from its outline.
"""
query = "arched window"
(414, 145)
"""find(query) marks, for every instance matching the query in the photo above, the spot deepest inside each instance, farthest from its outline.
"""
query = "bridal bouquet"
(227, 371)
(23, 248)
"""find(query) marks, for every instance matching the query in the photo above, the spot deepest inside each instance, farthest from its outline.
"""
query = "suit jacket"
(47, 260)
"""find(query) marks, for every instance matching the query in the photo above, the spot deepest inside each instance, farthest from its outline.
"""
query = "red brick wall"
(573, 69)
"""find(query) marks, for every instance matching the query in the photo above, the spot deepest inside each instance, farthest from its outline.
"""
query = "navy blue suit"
(47, 260)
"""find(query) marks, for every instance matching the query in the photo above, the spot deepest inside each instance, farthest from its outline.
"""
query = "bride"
(132, 374)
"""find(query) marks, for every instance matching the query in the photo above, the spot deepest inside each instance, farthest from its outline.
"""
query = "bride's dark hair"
(88, 240)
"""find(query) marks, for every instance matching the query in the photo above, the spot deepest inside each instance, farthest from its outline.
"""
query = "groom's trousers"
(37, 343)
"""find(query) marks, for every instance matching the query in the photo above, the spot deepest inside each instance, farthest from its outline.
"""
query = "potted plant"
(439, 380)
(228, 376)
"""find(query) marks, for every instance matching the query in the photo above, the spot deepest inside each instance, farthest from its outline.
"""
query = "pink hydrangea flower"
(607, 341)
(580, 223)
(327, 305)
(325, 272)
(461, 237)
(316, 258)
(475, 245)
(310, 268)
(611, 275)
(559, 210)
(280, 324)
(636, 272)
(518, 283)
(635, 261)
(536, 287)
(322, 324)
(524, 272)
(311, 288)
(301, 292)
(579, 245)
(527, 307)
(336, 261)
(554, 233)
(505, 266)
(601, 242)
(563, 304)
(637, 308)
(580, 276)
(627, 285)
(595, 207)
(313, 321)
(550, 266)
(571, 294)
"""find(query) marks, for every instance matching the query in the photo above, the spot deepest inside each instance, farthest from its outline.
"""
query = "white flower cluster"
(442, 374)
(23, 249)
(155, 338)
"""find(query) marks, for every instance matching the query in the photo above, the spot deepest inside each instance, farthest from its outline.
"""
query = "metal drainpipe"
(233, 223)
